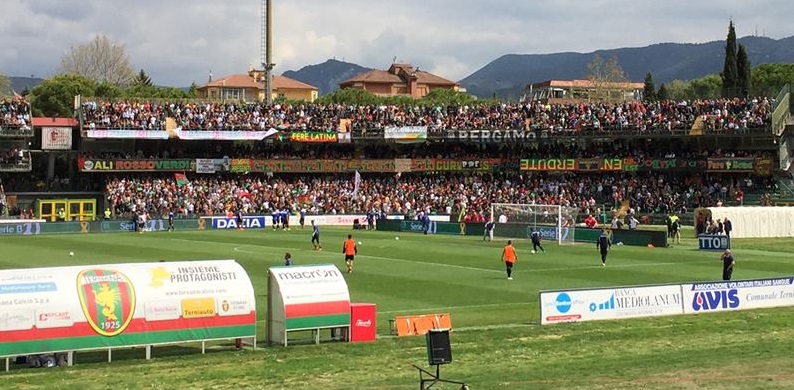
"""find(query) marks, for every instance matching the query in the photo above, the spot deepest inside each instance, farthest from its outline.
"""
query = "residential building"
(399, 80)
(251, 87)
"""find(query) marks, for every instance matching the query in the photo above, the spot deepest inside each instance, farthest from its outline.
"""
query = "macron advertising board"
(609, 303)
(45, 310)
(306, 297)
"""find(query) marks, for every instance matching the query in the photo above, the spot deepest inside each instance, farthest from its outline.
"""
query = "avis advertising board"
(609, 303)
(738, 295)
(46, 310)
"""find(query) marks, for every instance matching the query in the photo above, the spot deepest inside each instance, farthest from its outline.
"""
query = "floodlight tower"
(266, 48)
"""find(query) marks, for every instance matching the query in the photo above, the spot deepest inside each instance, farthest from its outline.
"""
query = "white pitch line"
(456, 307)
(474, 328)
(586, 267)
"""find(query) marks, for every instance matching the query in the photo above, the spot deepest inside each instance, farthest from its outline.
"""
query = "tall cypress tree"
(663, 93)
(649, 91)
(743, 71)
(730, 74)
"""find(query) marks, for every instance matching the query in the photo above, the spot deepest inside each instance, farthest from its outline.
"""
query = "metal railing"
(781, 111)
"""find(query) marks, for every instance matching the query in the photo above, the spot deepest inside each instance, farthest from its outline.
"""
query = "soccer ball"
(397, 238)
(533, 251)
(359, 243)
(71, 253)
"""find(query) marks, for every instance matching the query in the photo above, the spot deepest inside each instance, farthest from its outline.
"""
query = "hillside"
(507, 76)
(326, 76)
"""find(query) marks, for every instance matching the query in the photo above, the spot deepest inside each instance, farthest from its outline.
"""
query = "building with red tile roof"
(251, 87)
(399, 80)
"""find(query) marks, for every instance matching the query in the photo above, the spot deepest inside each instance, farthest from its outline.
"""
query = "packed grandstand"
(716, 114)
(570, 168)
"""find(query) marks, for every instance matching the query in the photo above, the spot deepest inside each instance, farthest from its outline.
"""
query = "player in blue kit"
(171, 221)
(316, 237)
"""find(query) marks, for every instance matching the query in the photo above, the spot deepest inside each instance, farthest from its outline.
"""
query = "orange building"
(251, 87)
(399, 80)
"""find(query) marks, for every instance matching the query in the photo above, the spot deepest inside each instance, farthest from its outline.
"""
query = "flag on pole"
(181, 179)
(356, 183)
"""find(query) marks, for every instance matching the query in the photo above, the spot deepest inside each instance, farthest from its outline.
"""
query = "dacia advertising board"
(738, 295)
(76, 308)
(249, 222)
(609, 303)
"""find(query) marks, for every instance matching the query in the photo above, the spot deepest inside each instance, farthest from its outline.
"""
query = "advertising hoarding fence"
(95, 307)
(609, 303)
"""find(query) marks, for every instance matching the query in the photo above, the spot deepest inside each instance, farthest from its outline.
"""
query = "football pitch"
(496, 342)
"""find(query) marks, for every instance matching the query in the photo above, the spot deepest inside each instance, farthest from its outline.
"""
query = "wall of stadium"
(756, 222)
(64, 309)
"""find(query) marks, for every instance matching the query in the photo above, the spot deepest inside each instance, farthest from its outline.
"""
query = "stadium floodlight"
(553, 222)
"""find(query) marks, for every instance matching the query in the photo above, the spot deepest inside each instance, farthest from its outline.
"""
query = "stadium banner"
(126, 134)
(136, 165)
(152, 225)
(734, 164)
(56, 138)
(37, 228)
(207, 165)
(240, 165)
(312, 136)
(321, 166)
(88, 307)
(453, 165)
(305, 297)
(490, 136)
(406, 134)
(249, 222)
(608, 164)
(224, 135)
(610, 303)
(763, 166)
(738, 295)
(710, 242)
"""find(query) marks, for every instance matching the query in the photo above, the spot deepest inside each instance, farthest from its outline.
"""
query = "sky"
(178, 42)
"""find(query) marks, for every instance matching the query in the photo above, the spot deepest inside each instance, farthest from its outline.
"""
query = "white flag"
(356, 183)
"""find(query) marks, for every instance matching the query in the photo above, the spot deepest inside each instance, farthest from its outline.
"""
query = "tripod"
(432, 379)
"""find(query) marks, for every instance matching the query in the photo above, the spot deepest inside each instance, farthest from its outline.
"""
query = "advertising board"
(56, 138)
(610, 303)
(306, 297)
(121, 305)
(738, 295)
(708, 242)
(249, 222)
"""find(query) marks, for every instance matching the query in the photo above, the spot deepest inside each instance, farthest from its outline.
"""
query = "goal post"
(553, 222)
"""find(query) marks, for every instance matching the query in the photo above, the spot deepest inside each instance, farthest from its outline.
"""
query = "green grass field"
(496, 341)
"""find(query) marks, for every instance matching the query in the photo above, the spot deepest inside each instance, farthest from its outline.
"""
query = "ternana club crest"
(108, 300)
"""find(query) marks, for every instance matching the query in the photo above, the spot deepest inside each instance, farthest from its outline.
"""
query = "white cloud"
(179, 41)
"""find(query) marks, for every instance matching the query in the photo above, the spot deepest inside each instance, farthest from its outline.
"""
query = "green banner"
(628, 164)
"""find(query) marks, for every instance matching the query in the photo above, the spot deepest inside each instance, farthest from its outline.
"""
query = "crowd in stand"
(14, 113)
(719, 115)
(12, 156)
(411, 193)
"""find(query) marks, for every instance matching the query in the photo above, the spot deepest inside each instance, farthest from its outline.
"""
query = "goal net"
(553, 222)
